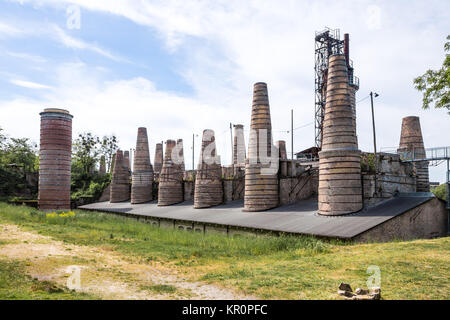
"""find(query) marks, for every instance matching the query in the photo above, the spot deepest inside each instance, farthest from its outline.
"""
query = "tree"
(2, 139)
(108, 147)
(18, 158)
(441, 192)
(435, 85)
(86, 151)
(85, 181)
(21, 153)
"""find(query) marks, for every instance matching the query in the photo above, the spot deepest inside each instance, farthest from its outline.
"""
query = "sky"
(179, 67)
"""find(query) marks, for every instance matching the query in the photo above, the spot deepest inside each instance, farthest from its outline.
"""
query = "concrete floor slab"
(300, 217)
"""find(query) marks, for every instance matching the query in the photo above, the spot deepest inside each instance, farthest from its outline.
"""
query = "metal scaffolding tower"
(327, 43)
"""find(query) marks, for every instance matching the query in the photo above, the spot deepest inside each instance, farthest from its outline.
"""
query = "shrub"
(441, 192)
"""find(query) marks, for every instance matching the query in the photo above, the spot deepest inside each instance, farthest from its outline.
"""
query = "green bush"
(91, 185)
(441, 192)
(368, 162)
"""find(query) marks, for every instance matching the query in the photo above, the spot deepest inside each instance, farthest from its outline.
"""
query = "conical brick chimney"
(208, 182)
(180, 155)
(159, 156)
(239, 145)
(120, 182)
(340, 190)
(142, 177)
(126, 161)
(170, 189)
(261, 180)
(412, 147)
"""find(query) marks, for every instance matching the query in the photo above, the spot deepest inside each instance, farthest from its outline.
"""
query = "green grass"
(149, 242)
(159, 288)
(268, 267)
(15, 284)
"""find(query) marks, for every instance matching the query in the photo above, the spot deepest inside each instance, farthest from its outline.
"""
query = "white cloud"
(75, 43)
(26, 56)
(8, 30)
(29, 84)
(38, 29)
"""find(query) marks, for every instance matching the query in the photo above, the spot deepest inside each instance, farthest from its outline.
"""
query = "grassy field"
(283, 267)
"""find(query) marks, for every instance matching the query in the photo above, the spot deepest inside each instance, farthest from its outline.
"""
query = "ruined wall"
(233, 183)
(428, 220)
(300, 187)
(188, 189)
(189, 184)
(227, 190)
(392, 177)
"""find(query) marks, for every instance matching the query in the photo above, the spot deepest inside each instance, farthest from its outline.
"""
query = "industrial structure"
(340, 189)
(170, 179)
(208, 180)
(328, 43)
(411, 146)
(370, 196)
(55, 156)
(261, 181)
(142, 176)
(239, 146)
(120, 180)
(159, 157)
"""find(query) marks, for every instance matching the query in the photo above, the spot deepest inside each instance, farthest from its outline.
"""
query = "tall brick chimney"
(261, 185)
(340, 190)
(142, 176)
(55, 156)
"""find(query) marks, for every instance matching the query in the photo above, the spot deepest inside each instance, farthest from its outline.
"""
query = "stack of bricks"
(412, 147)
(208, 183)
(261, 177)
(170, 190)
(142, 177)
(55, 160)
(120, 181)
(340, 190)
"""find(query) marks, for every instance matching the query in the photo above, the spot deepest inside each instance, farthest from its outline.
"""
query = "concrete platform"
(297, 218)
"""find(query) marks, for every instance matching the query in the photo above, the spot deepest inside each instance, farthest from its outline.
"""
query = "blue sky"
(178, 67)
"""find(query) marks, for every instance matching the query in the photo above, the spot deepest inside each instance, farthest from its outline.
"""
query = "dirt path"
(102, 272)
